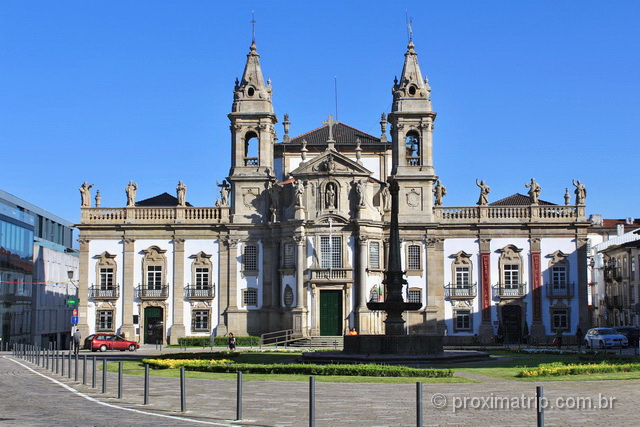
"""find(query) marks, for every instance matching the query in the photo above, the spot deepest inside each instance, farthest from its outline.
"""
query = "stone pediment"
(331, 163)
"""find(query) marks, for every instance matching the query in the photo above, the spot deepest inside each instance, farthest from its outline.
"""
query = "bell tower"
(252, 139)
(411, 119)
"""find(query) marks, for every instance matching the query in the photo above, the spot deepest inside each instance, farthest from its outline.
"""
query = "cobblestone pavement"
(29, 397)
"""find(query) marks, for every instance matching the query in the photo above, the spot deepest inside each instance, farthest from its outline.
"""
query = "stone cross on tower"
(330, 122)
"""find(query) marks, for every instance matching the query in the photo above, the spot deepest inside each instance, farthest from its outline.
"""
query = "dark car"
(104, 342)
(631, 332)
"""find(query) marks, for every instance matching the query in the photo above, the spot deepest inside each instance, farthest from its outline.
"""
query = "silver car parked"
(604, 338)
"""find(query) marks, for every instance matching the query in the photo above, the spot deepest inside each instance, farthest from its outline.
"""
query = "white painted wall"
(96, 248)
(209, 247)
(470, 246)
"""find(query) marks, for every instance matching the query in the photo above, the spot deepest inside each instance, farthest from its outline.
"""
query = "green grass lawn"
(503, 364)
(135, 367)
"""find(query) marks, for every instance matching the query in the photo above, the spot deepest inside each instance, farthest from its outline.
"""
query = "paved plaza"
(32, 395)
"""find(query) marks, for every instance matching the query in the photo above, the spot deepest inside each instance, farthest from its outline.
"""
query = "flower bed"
(227, 366)
(184, 363)
(559, 369)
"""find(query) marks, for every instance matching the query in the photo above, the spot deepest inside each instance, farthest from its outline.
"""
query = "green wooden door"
(153, 325)
(330, 313)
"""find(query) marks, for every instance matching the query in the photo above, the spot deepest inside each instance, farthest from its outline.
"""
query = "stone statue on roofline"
(181, 190)
(580, 192)
(85, 194)
(534, 191)
(484, 192)
(439, 191)
(225, 189)
(131, 193)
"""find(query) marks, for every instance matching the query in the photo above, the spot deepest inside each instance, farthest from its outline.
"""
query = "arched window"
(412, 146)
(251, 147)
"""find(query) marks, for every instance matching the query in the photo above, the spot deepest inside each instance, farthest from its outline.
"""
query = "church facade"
(299, 237)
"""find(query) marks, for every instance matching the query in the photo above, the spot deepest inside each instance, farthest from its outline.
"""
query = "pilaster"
(178, 329)
(486, 329)
(537, 327)
(300, 310)
(128, 329)
(434, 309)
(363, 313)
(83, 288)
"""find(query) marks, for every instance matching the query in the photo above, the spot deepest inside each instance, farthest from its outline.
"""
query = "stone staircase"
(325, 342)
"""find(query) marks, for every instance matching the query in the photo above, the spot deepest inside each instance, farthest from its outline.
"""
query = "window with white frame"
(106, 278)
(104, 320)
(463, 274)
(154, 277)
(250, 258)
(559, 276)
(511, 275)
(200, 320)
(560, 318)
(462, 319)
(374, 255)
(331, 252)
(288, 256)
(250, 297)
(415, 295)
(633, 268)
(202, 277)
(413, 257)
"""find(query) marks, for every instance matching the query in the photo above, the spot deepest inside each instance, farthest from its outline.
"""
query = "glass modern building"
(36, 257)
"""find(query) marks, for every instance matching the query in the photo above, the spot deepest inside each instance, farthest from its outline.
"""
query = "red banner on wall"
(486, 286)
(535, 286)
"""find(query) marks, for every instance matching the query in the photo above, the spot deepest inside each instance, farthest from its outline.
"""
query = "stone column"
(223, 288)
(537, 327)
(300, 311)
(583, 314)
(128, 328)
(178, 329)
(363, 313)
(486, 328)
(234, 323)
(274, 288)
(83, 288)
(434, 310)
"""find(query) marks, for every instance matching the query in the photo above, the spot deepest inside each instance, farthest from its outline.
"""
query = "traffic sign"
(73, 300)
(75, 312)
(74, 320)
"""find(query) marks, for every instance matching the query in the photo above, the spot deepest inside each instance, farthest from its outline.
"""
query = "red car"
(104, 342)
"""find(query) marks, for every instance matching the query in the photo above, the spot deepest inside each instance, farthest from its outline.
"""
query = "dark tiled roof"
(161, 200)
(518, 200)
(342, 134)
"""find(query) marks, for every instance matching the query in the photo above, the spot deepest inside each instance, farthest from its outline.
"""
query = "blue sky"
(113, 91)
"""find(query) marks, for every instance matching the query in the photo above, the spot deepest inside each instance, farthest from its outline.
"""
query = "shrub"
(216, 355)
(370, 370)
(249, 341)
(558, 369)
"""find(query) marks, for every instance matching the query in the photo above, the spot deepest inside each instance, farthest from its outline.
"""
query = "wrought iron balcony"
(560, 290)
(98, 293)
(457, 291)
(504, 291)
(155, 293)
(195, 292)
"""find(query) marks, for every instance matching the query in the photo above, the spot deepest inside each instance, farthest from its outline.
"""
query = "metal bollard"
(62, 369)
(312, 401)
(93, 374)
(84, 369)
(104, 375)
(239, 396)
(419, 404)
(75, 372)
(183, 392)
(539, 406)
(46, 361)
(119, 380)
(69, 370)
(146, 384)
(57, 361)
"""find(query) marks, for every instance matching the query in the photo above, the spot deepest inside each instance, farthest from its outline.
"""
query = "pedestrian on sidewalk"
(232, 342)
(579, 337)
(76, 341)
